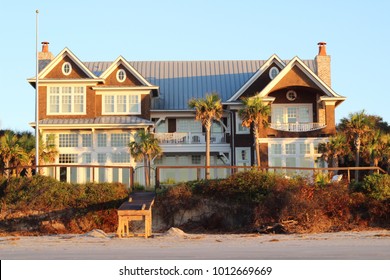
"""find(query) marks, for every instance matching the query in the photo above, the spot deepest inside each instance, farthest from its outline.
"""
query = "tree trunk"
(335, 163)
(256, 137)
(147, 172)
(207, 163)
(357, 164)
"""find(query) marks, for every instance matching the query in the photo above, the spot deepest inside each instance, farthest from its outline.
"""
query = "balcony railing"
(297, 127)
(189, 138)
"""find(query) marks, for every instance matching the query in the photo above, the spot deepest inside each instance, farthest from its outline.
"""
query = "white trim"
(109, 88)
(87, 82)
(246, 130)
(271, 70)
(128, 96)
(306, 70)
(63, 68)
(238, 156)
(118, 74)
(65, 52)
(72, 94)
(273, 59)
(121, 61)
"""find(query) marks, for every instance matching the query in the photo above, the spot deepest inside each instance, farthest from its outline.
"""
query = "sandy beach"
(175, 244)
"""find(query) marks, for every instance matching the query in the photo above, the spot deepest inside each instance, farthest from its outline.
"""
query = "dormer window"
(273, 72)
(66, 68)
(121, 75)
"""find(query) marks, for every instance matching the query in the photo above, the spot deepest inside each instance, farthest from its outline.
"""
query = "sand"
(176, 244)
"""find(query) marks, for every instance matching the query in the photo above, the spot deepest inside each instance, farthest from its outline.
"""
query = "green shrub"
(376, 186)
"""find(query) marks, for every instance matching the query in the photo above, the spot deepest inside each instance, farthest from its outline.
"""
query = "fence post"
(198, 173)
(157, 178)
(349, 176)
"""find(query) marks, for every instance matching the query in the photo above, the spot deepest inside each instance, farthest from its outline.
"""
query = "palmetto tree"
(336, 147)
(255, 113)
(355, 127)
(377, 147)
(145, 147)
(207, 110)
(11, 152)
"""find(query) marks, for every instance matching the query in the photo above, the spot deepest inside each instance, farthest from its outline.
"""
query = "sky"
(357, 34)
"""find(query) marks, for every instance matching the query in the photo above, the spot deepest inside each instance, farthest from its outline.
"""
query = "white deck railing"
(189, 138)
(297, 127)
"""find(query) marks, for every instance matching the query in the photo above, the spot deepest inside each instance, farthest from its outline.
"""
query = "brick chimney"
(323, 64)
(45, 54)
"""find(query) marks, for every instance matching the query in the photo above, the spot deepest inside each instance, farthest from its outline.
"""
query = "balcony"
(178, 138)
(297, 127)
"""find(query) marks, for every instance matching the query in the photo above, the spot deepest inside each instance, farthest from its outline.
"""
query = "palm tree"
(255, 113)
(355, 127)
(145, 147)
(11, 152)
(207, 110)
(336, 147)
(377, 147)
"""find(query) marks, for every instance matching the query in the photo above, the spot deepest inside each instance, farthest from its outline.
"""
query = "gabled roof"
(180, 81)
(330, 93)
(66, 52)
(273, 59)
(121, 61)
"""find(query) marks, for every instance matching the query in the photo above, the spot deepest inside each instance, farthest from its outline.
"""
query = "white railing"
(297, 127)
(189, 138)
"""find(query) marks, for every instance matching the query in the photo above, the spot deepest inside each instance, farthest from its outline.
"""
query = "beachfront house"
(95, 108)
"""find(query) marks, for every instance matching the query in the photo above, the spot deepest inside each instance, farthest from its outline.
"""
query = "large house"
(94, 109)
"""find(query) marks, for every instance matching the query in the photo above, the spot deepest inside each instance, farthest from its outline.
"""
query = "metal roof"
(122, 120)
(179, 81)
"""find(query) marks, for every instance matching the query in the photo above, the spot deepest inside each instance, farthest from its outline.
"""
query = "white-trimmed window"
(120, 157)
(290, 149)
(86, 140)
(66, 68)
(68, 140)
(66, 100)
(196, 159)
(102, 140)
(273, 72)
(188, 125)
(297, 113)
(120, 139)
(121, 75)
(120, 104)
(68, 158)
(240, 129)
(304, 148)
(87, 157)
(276, 149)
(102, 158)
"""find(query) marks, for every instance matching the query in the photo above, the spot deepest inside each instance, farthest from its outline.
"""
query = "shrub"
(376, 186)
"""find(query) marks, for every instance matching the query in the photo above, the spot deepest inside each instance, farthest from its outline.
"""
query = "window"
(304, 149)
(66, 68)
(87, 157)
(102, 140)
(196, 159)
(188, 125)
(66, 100)
(102, 158)
(120, 157)
(240, 129)
(120, 139)
(298, 113)
(121, 75)
(273, 72)
(68, 140)
(276, 149)
(291, 95)
(121, 104)
(290, 149)
(86, 140)
(68, 158)
(50, 139)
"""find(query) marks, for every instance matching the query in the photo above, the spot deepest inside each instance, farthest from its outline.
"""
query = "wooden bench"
(137, 208)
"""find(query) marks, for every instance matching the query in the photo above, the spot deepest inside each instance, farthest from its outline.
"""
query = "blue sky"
(357, 35)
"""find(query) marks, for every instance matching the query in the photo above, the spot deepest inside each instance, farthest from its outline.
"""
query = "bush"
(376, 186)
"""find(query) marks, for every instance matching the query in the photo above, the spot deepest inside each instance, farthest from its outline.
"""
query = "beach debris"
(176, 232)
(96, 233)
(275, 228)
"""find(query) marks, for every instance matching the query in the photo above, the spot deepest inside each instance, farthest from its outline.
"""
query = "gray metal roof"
(179, 81)
(122, 120)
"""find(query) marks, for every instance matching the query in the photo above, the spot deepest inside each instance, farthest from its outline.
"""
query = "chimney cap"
(322, 48)
(45, 43)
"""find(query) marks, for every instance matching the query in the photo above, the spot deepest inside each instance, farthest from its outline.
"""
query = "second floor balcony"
(297, 127)
(178, 138)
